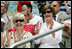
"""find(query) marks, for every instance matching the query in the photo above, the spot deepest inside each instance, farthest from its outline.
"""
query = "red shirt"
(29, 28)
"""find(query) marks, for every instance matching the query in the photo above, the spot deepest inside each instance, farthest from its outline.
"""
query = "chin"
(18, 27)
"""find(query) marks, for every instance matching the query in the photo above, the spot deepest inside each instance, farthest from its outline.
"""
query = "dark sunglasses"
(19, 21)
(54, 5)
(47, 12)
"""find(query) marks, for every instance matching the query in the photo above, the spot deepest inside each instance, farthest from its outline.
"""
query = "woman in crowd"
(19, 34)
(51, 40)
(28, 27)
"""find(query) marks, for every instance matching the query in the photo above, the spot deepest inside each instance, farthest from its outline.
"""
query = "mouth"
(19, 25)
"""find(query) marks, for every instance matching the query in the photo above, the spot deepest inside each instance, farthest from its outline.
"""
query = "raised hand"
(8, 16)
(65, 2)
(38, 27)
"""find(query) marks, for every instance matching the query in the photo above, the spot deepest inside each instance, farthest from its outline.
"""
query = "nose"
(18, 22)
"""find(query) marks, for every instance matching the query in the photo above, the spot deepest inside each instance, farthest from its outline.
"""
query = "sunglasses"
(19, 21)
(47, 12)
(54, 5)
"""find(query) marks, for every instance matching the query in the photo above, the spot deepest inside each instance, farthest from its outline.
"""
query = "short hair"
(28, 5)
(20, 15)
(57, 2)
(48, 7)
(25, 9)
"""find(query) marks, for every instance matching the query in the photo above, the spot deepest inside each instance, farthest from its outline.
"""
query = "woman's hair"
(45, 7)
(48, 7)
(20, 16)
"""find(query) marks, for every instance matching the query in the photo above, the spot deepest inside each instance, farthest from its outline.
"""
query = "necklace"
(18, 37)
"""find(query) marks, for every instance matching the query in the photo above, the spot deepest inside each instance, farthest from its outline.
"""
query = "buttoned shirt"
(48, 41)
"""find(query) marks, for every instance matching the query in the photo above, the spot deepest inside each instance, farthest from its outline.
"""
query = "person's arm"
(8, 38)
(37, 27)
(9, 19)
(68, 25)
(67, 8)
(67, 28)
(1, 39)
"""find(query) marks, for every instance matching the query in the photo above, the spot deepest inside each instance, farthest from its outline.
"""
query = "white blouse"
(48, 41)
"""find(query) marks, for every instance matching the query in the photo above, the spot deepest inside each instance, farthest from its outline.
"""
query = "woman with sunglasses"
(19, 34)
(28, 27)
(51, 40)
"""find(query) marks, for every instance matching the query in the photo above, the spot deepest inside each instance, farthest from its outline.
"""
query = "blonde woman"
(19, 34)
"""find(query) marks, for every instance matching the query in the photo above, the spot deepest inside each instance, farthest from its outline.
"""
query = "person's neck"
(57, 12)
(49, 23)
(19, 30)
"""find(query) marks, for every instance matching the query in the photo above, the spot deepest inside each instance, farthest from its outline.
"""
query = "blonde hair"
(18, 16)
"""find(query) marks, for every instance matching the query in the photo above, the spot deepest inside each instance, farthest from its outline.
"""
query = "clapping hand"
(8, 16)
(38, 27)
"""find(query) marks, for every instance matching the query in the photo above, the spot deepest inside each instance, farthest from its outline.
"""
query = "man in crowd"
(60, 17)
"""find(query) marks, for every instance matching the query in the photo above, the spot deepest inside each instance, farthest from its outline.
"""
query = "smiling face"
(48, 15)
(19, 23)
(19, 20)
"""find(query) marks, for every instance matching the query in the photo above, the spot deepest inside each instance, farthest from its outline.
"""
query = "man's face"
(24, 6)
(25, 14)
(3, 8)
(55, 6)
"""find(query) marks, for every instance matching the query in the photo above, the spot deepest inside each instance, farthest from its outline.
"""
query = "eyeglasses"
(47, 12)
(54, 5)
(19, 21)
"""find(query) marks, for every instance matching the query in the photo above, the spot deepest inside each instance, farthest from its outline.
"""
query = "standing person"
(19, 34)
(51, 40)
